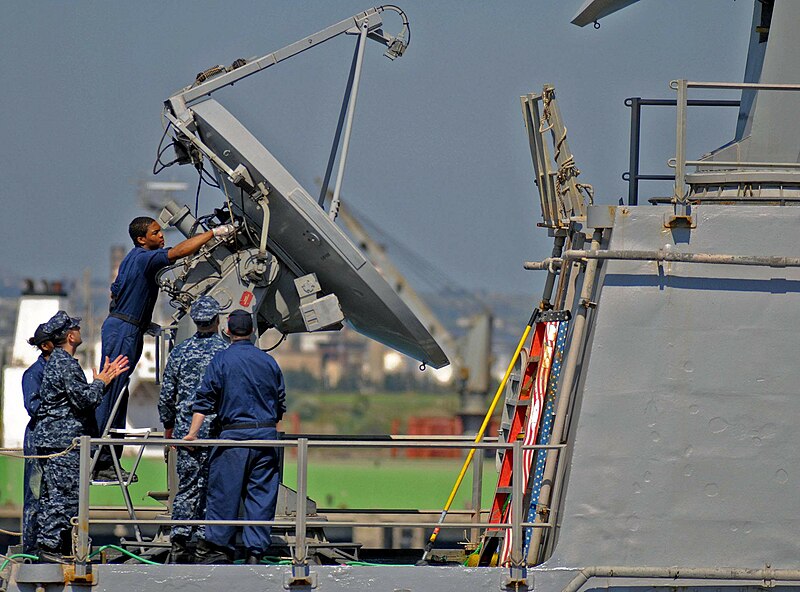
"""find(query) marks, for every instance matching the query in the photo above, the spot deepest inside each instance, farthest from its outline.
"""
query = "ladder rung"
(518, 403)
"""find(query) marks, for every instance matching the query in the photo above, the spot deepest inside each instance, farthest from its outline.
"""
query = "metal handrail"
(633, 176)
(300, 568)
(680, 196)
(416, 443)
(320, 523)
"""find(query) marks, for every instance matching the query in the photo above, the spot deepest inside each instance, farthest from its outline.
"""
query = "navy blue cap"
(204, 310)
(60, 323)
(40, 336)
(240, 323)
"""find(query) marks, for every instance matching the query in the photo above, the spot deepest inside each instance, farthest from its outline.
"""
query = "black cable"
(281, 340)
(197, 194)
(403, 16)
(160, 152)
(208, 178)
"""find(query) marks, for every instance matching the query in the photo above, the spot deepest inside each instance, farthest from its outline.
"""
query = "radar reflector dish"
(305, 240)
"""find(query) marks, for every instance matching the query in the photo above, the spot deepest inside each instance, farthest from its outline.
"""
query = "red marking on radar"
(247, 298)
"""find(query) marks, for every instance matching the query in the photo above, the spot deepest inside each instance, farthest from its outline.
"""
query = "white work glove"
(224, 231)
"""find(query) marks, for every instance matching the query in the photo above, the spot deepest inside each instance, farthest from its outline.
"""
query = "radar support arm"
(396, 46)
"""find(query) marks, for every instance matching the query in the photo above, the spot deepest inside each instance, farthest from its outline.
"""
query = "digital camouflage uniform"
(184, 370)
(66, 412)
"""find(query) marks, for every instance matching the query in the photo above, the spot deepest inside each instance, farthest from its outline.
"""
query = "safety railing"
(680, 163)
(633, 176)
(301, 523)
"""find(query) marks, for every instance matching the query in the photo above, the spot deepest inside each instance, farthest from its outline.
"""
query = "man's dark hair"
(205, 327)
(138, 228)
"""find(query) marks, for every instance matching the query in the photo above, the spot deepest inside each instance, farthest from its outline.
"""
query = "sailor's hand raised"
(111, 369)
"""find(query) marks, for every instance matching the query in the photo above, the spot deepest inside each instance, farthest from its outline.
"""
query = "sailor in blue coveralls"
(185, 369)
(66, 411)
(31, 381)
(244, 386)
(133, 297)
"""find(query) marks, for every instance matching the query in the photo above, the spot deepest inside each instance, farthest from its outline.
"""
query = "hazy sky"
(439, 155)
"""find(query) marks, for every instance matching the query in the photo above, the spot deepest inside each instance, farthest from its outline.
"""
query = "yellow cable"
(481, 432)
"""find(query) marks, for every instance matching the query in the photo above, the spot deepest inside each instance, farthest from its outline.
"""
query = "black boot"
(109, 475)
(180, 552)
(210, 554)
(253, 558)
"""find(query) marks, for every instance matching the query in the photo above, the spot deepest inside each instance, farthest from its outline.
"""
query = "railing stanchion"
(477, 489)
(300, 560)
(679, 195)
(518, 571)
(82, 541)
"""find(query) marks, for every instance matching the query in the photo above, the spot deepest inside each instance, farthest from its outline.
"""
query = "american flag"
(537, 402)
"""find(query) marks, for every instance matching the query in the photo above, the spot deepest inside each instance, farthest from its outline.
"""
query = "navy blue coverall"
(244, 386)
(133, 297)
(31, 381)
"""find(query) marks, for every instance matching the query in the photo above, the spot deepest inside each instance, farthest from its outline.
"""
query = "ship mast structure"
(678, 393)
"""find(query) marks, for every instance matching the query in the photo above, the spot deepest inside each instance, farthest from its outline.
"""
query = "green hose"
(366, 564)
(23, 555)
(124, 552)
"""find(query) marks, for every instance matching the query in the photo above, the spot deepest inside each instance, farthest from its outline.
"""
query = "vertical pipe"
(172, 477)
(300, 560)
(547, 294)
(633, 163)
(158, 357)
(564, 275)
(680, 149)
(348, 128)
(517, 561)
(82, 543)
(544, 513)
(477, 489)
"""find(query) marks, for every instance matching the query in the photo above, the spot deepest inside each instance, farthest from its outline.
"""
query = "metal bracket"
(543, 512)
(679, 221)
(517, 584)
(70, 577)
(48, 573)
(241, 178)
(307, 288)
(552, 316)
(309, 581)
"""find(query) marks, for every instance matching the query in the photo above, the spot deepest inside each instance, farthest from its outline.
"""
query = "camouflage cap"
(60, 323)
(204, 310)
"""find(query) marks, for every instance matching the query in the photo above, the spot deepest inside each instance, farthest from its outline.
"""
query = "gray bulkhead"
(684, 446)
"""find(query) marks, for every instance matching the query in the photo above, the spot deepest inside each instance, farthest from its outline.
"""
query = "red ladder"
(518, 402)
